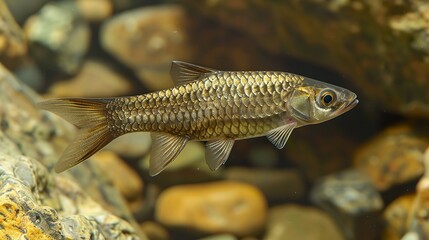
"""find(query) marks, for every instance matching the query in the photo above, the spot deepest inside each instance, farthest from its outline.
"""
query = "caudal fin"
(89, 115)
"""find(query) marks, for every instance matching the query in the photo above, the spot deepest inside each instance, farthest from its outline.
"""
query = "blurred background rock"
(360, 176)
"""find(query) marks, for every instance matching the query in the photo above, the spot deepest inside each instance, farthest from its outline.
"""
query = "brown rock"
(128, 182)
(297, 222)
(147, 40)
(393, 157)
(356, 38)
(154, 231)
(95, 10)
(417, 221)
(311, 148)
(396, 217)
(217, 207)
(96, 79)
(12, 39)
(277, 185)
(222, 237)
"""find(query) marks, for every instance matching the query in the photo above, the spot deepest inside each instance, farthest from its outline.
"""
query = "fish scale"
(206, 104)
(207, 115)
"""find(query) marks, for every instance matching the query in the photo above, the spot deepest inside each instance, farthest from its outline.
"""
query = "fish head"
(315, 101)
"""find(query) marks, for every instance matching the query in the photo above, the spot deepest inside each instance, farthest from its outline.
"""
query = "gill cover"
(301, 105)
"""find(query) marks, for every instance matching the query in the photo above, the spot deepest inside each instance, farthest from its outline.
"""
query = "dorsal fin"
(182, 72)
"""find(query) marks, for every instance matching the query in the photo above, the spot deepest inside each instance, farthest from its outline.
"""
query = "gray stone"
(22, 9)
(30, 74)
(59, 36)
(353, 202)
(37, 203)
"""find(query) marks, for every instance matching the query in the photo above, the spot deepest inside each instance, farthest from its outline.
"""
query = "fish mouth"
(351, 105)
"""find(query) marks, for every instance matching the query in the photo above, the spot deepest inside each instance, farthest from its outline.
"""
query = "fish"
(205, 104)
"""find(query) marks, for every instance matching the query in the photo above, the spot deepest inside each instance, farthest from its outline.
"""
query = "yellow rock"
(394, 157)
(154, 231)
(96, 79)
(95, 10)
(14, 224)
(128, 182)
(291, 221)
(217, 207)
(396, 216)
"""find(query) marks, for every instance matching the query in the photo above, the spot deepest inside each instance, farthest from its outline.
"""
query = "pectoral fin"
(280, 135)
(165, 148)
(217, 152)
(183, 73)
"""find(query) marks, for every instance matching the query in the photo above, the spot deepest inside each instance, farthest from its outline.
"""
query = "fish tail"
(89, 115)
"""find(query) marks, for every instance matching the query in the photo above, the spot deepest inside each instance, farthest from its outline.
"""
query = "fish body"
(205, 105)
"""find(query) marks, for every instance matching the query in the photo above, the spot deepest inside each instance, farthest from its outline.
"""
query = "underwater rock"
(418, 221)
(220, 237)
(58, 37)
(382, 47)
(30, 74)
(22, 9)
(395, 156)
(95, 79)
(396, 217)
(121, 5)
(154, 231)
(188, 167)
(217, 207)
(192, 155)
(265, 156)
(298, 222)
(95, 10)
(315, 155)
(147, 39)
(53, 203)
(277, 185)
(352, 201)
(133, 145)
(13, 45)
(125, 178)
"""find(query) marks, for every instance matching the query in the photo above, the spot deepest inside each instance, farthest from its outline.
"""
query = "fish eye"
(327, 97)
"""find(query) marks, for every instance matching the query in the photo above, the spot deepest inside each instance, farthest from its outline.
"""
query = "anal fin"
(217, 152)
(280, 135)
(165, 148)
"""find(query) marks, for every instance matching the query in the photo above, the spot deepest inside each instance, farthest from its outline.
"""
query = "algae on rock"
(35, 202)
